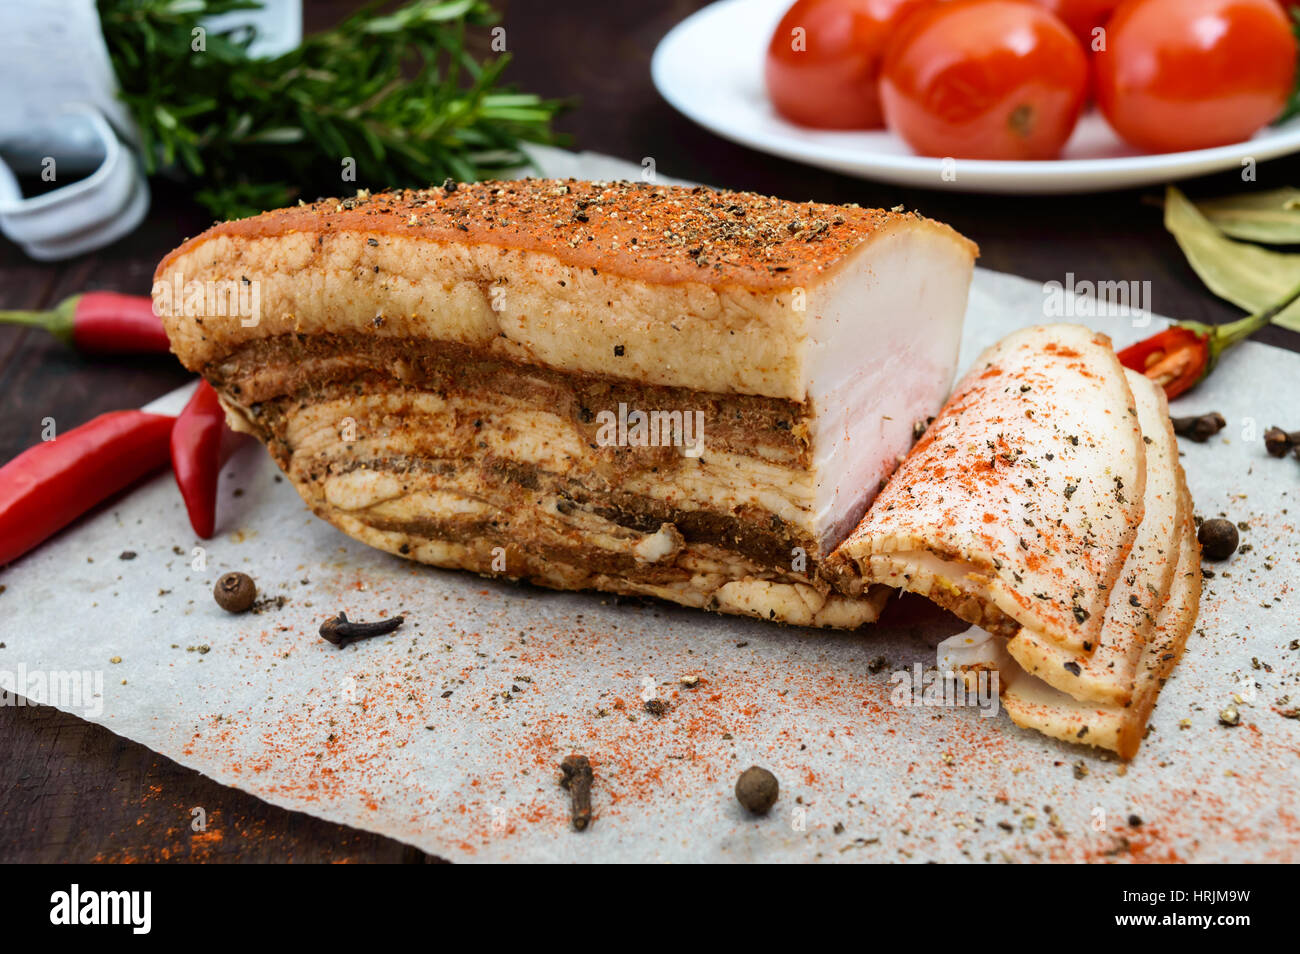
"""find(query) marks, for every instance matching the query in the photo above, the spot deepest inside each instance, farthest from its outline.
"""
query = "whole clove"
(341, 631)
(1199, 427)
(1277, 441)
(577, 780)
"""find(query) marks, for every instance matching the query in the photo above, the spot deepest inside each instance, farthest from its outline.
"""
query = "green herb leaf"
(1246, 275)
(399, 97)
(1272, 217)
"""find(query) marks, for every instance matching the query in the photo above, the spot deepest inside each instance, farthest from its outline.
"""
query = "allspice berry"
(757, 790)
(235, 592)
(1277, 441)
(1218, 538)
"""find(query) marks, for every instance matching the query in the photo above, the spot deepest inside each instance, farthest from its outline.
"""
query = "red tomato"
(823, 62)
(1191, 74)
(984, 79)
(1082, 16)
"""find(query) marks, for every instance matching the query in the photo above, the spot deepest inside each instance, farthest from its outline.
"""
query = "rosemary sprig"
(382, 100)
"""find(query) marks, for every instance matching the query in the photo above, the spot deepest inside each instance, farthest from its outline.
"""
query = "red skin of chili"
(48, 486)
(108, 322)
(99, 322)
(196, 453)
(1180, 352)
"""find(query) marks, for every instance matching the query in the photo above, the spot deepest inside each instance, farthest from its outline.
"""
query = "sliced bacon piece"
(1107, 674)
(1033, 704)
(1019, 506)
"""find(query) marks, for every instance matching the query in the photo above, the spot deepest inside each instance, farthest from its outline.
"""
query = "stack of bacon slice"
(1046, 505)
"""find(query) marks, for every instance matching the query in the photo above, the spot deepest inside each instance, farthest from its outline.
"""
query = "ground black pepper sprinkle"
(731, 233)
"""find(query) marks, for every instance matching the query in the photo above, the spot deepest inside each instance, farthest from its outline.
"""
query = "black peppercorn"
(235, 592)
(757, 790)
(1218, 539)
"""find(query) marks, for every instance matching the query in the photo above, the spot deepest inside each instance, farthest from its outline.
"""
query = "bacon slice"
(1033, 704)
(1107, 674)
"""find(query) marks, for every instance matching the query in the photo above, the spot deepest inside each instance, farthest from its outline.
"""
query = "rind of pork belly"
(655, 284)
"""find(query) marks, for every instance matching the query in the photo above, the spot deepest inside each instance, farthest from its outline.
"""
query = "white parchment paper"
(448, 733)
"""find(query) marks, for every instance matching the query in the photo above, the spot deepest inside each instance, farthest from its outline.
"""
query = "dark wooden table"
(72, 791)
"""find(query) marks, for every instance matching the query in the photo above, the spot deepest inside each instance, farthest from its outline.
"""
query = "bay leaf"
(1272, 217)
(1247, 275)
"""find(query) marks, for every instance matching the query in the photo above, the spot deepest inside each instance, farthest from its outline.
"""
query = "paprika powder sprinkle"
(100, 322)
(48, 486)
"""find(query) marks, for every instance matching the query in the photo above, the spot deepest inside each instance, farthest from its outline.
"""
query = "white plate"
(710, 67)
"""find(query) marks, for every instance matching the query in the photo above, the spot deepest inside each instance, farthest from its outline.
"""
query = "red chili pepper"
(100, 322)
(1176, 359)
(1181, 356)
(48, 486)
(196, 456)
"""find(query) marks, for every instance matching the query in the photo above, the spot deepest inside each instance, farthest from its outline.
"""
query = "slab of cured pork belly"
(455, 375)
(1046, 505)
